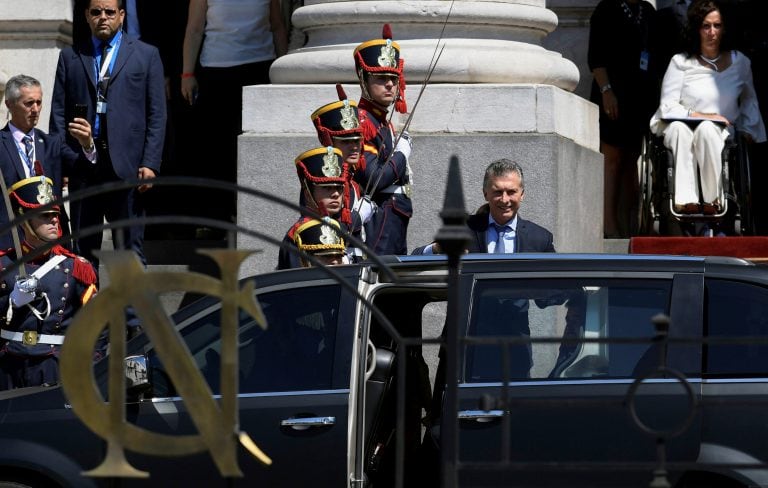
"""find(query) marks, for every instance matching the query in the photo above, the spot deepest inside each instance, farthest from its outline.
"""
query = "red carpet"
(753, 248)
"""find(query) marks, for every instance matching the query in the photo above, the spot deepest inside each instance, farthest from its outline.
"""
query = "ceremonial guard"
(40, 297)
(322, 177)
(338, 125)
(322, 240)
(384, 173)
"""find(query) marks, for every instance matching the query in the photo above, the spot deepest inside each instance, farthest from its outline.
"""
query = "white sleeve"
(672, 89)
(750, 120)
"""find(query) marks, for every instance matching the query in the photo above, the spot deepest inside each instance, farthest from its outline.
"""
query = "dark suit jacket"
(53, 154)
(136, 110)
(529, 237)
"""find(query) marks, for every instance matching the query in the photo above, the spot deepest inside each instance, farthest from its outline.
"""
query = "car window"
(294, 353)
(514, 310)
(736, 310)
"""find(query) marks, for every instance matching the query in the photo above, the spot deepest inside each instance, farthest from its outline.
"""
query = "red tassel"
(82, 269)
(400, 105)
(340, 91)
(83, 272)
(386, 32)
(38, 168)
(369, 131)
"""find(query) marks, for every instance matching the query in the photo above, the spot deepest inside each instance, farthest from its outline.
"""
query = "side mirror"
(136, 376)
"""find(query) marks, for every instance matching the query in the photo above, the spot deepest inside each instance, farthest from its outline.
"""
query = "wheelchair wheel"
(741, 179)
(645, 213)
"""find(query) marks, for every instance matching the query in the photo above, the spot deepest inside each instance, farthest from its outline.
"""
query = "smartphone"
(81, 111)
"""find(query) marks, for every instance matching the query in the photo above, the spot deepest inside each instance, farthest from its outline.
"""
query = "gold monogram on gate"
(216, 422)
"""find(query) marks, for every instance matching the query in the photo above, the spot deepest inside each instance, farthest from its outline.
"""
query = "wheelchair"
(656, 172)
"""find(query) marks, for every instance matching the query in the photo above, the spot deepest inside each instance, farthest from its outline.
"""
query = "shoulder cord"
(40, 316)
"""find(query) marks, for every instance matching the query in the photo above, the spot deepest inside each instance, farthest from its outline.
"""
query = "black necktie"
(104, 50)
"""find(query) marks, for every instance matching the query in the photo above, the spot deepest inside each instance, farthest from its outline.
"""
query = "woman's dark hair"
(698, 10)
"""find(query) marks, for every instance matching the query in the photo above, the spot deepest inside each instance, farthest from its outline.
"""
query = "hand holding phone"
(81, 111)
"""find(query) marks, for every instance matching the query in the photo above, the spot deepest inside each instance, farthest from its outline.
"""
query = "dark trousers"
(120, 206)
(219, 110)
(23, 371)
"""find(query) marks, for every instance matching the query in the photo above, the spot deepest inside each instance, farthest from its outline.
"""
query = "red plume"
(38, 168)
(340, 91)
(386, 32)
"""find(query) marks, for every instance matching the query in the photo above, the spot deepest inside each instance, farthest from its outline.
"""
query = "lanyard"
(106, 65)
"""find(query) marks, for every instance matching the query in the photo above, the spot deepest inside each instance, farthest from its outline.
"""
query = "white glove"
(404, 145)
(365, 209)
(23, 291)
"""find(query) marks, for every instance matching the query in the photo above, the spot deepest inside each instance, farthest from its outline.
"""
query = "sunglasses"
(96, 12)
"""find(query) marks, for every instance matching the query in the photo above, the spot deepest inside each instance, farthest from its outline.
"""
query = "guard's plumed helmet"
(324, 166)
(320, 237)
(321, 166)
(29, 194)
(32, 193)
(382, 56)
(337, 119)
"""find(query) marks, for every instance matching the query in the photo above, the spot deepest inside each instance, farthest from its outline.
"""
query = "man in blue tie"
(120, 81)
(496, 226)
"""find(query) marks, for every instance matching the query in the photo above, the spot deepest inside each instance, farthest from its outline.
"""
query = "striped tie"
(29, 149)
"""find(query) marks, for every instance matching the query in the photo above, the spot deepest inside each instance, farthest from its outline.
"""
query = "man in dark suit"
(26, 151)
(496, 226)
(120, 80)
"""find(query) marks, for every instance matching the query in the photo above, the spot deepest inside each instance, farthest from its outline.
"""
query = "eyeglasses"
(96, 12)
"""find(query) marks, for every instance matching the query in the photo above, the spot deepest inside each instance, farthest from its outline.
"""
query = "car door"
(294, 386)
(736, 378)
(541, 412)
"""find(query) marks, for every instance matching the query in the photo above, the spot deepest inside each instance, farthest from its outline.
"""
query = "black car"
(549, 393)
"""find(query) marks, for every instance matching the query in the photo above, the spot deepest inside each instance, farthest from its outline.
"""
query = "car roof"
(526, 262)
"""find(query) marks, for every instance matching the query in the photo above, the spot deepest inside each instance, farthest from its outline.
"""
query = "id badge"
(101, 107)
(644, 60)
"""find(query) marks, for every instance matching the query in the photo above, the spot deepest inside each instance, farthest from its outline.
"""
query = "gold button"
(60, 312)
(66, 270)
(66, 285)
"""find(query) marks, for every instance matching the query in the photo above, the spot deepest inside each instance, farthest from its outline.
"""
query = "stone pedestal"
(496, 92)
(32, 33)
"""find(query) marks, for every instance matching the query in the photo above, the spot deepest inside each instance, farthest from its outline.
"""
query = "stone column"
(495, 92)
(32, 32)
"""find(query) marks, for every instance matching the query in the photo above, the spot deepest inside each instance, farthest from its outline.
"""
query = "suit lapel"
(125, 50)
(13, 152)
(87, 57)
(520, 235)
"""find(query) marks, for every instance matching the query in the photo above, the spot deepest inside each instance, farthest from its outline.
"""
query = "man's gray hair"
(16, 83)
(502, 167)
